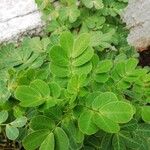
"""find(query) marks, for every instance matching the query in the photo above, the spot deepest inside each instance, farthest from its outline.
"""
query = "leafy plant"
(79, 87)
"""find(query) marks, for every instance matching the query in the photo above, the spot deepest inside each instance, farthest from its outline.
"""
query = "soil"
(6, 144)
(144, 59)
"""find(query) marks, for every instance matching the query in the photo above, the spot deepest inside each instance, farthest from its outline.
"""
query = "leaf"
(89, 99)
(76, 137)
(55, 89)
(110, 111)
(130, 126)
(35, 44)
(143, 130)
(41, 87)
(28, 96)
(86, 123)
(123, 140)
(146, 113)
(55, 113)
(84, 58)
(118, 143)
(101, 78)
(48, 143)
(11, 132)
(35, 139)
(59, 56)
(61, 139)
(98, 4)
(3, 116)
(19, 122)
(106, 124)
(78, 58)
(125, 73)
(80, 44)
(66, 41)
(104, 99)
(104, 66)
(131, 64)
(73, 13)
(50, 102)
(59, 71)
(41, 122)
(70, 13)
(106, 142)
(120, 112)
(20, 57)
(75, 83)
(4, 91)
(84, 69)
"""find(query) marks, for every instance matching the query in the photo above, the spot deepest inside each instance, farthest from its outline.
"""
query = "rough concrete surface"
(137, 18)
(17, 18)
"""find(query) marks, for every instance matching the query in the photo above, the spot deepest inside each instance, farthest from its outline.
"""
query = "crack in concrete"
(19, 16)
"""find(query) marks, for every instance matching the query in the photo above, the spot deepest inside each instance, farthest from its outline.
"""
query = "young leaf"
(11, 132)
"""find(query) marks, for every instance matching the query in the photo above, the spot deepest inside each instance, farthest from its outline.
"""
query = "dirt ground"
(144, 59)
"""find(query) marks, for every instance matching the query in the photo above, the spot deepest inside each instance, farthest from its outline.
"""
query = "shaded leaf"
(19, 122)
(61, 139)
(42, 122)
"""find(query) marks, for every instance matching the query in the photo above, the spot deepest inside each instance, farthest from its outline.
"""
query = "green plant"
(77, 89)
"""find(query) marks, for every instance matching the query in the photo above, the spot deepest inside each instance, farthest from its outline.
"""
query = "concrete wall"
(137, 18)
(17, 18)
